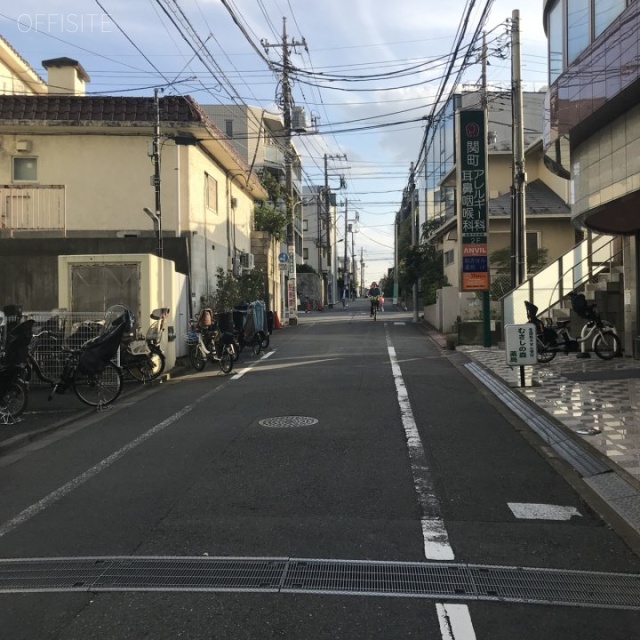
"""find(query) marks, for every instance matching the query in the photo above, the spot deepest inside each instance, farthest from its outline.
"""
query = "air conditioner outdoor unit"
(23, 145)
(247, 260)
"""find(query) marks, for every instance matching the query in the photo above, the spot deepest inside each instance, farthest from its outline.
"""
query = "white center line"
(436, 539)
(240, 373)
(455, 622)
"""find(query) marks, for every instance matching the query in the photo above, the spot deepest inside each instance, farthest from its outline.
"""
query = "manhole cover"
(288, 421)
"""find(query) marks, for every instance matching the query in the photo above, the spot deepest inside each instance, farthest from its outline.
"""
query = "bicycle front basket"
(192, 338)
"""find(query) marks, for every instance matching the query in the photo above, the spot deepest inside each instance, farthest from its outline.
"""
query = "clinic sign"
(521, 345)
(472, 189)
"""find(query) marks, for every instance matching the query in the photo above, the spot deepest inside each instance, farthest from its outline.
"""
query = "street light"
(156, 218)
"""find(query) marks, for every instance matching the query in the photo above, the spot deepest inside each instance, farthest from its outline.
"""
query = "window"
(305, 254)
(212, 193)
(449, 257)
(305, 225)
(556, 42)
(25, 169)
(578, 27)
(228, 128)
(605, 12)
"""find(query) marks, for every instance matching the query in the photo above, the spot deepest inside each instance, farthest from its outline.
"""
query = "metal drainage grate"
(288, 421)
(297, 575)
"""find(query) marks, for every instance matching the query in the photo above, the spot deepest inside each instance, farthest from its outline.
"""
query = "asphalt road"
(351, 440)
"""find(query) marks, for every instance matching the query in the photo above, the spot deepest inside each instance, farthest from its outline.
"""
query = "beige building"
(16, 75)
(547, 217)
(77, 173)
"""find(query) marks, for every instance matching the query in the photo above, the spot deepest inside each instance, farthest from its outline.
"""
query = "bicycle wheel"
(148, 369)
(13, 401)
(264, 342)
(375, 312)
(197, 359)
(545, 354)
(226, 362)
(47, 354)
(256, 345)
(98, 389)
(606, 345)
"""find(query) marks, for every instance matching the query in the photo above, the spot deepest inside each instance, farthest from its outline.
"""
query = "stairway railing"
(547, 288)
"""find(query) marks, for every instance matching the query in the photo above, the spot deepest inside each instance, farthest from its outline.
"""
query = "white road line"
(240, 373)
(532, 511)
(455, 622)
(78, 481)
(436, 539)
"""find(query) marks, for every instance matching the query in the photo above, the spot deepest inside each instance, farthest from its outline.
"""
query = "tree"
(500, 260)
(420, 263)
(266, 215)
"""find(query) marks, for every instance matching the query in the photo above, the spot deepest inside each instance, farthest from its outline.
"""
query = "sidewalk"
(586, 410)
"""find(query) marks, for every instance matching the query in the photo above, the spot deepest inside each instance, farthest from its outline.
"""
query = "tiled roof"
(76, 109)
(539, 199)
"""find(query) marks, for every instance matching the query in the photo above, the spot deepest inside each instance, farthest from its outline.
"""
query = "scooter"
(141, 355)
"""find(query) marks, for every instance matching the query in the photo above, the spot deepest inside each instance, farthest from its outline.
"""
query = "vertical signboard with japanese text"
(472, 189)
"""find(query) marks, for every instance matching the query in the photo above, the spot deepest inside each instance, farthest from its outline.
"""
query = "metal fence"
(56, 331)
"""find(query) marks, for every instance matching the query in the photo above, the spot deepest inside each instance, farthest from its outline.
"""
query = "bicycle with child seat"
(89, 370)
(556, 338)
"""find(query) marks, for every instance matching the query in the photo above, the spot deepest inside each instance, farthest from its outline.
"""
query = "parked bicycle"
(210, 344)
(552, 339)
(14, 354)
(49, 347)
(249, 322)
(141, 356)
(90, 371)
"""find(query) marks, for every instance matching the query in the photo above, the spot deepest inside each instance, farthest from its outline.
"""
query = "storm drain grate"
(297, 575)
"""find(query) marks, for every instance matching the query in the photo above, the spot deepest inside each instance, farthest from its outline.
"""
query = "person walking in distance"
(374, 294)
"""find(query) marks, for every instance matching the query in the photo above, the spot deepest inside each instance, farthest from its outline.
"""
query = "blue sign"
(283, 257)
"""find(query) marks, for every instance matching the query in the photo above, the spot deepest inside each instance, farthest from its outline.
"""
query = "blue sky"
(129, 47)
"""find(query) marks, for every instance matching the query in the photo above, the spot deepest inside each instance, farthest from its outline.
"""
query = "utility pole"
(396, 223)
(156, 174)
(327, 213)
(361, 271)
(353, 270)
(345, 270)
(486, 295)
(518, 221)
(286, 103)
(327, 202)
(414, 236)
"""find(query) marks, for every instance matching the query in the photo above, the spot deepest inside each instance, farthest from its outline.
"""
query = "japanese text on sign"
(473, 201)
(520, 344)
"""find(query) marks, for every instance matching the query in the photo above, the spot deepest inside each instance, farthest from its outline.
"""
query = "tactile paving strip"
(440, 581)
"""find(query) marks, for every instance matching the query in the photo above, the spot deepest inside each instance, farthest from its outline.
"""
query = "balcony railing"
(32, 207)
(547, 288)
(273, 155)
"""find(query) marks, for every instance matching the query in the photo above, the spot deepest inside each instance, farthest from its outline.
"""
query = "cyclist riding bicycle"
(374, 294)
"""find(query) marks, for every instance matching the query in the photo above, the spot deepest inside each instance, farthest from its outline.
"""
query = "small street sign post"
(521, 346)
